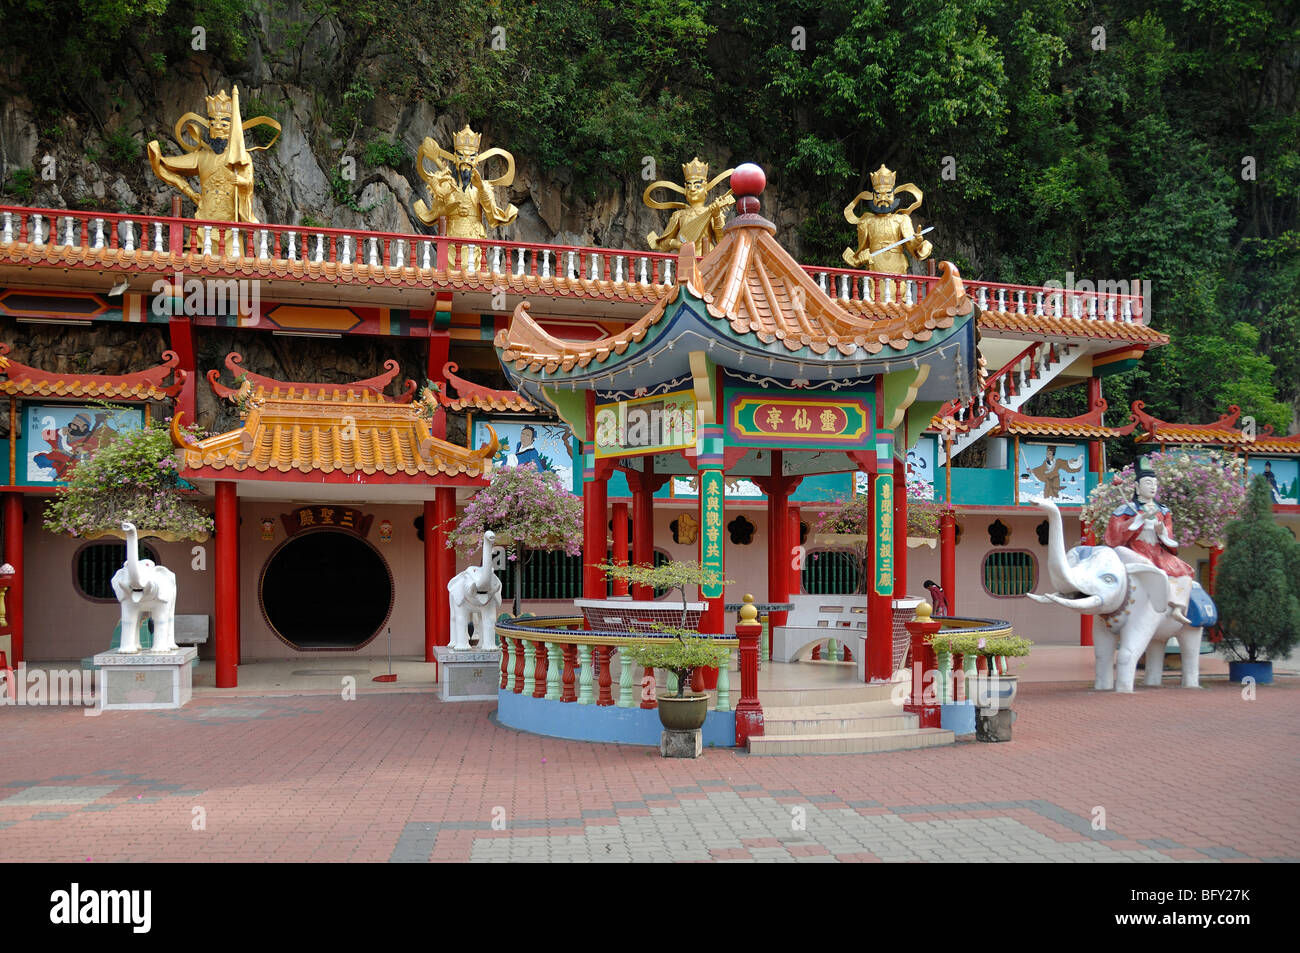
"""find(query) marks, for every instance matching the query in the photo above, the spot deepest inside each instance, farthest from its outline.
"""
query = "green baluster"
(970, 670)
(625, 667)
(554, 666)
(584, 675)
(724, 684)
(765, 650)
(832, 651)
(530, 666)
(945, 677)
(672, 682)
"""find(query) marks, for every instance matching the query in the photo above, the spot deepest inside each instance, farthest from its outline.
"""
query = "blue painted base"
(629, 726)
(1261, 672)
(958, 718)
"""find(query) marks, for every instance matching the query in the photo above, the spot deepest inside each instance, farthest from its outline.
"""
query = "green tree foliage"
(1257, 587)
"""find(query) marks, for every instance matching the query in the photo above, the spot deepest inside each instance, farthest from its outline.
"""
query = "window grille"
(1010, 573)
(96, 564)
(548, 574)
(830, 572)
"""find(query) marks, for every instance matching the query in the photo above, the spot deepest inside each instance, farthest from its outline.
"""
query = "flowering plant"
(132, 477)
(1204, 490)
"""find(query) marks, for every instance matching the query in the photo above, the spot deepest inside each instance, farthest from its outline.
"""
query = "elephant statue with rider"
(1143, 594)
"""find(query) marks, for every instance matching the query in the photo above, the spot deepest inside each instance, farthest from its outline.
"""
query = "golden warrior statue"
(460, 192)
(693, 220)
(884, 229)
(222, 162)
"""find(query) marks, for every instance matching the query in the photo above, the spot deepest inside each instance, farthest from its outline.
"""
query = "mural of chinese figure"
(222, 162)
(1049, 472)
(1147, 528)
(458, 189)
(884, 229)
(695, 220)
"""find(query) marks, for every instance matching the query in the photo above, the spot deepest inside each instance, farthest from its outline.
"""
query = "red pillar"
(1094, 446)
(778, 550)
(439, 567)
(13, 517)
(595, 517)
(948, 558)
(1215, 553)
(749, 712)
(900, 529)
(792, 552)
(1085, 621)
(227, 586)
(620, 544)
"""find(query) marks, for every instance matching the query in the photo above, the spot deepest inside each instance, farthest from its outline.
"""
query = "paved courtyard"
(1162, 775)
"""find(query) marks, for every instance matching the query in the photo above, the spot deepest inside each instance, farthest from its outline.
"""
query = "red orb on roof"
(748, 179)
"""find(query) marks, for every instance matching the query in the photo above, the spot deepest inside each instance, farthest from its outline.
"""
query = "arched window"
(830, 572)
(1010, 573)
(95, 563)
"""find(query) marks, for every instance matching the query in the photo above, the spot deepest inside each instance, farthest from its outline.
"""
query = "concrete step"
(857, 742)
(846, 694)
(837, 719)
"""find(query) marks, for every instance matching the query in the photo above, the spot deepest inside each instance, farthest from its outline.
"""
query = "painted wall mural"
(57, 436)
(1054, 471)
(546, 446)
(1283, 476)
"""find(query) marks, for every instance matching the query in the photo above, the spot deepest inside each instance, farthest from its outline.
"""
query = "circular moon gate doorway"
(326, 590)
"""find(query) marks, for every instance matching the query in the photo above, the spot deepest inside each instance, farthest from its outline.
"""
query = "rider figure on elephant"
(1147, 528)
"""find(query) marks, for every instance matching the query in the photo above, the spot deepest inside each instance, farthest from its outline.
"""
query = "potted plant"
(988, 697)
(133, 478)
(528, 511)
(679, 650)
(1257, 590)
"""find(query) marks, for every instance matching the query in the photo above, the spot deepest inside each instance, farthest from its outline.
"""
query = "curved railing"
(551, 657)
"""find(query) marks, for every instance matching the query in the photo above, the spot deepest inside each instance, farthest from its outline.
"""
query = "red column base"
(749, 723)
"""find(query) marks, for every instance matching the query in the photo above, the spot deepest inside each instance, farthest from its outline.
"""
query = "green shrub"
(384, 152)
(122, 148)
(22, 183)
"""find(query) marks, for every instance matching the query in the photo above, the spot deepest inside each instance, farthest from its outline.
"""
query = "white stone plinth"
(468, 675)
(145, 679)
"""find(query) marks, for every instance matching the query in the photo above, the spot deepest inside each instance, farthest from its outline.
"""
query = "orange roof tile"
(1222, 432)
(349, 432)
(1271, 444)
(371, 385)
(470, 396)
(1087, 425)
(23, 381)
(1042, 325)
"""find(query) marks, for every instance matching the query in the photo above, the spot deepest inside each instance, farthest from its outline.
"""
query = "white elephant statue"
(145, 589)
(476, 592)
(1130, 596)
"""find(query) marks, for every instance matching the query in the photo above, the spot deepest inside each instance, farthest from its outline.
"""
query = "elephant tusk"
(1086, 604)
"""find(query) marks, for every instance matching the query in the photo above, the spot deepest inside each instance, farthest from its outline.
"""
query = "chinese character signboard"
(839, 422)
(325, 516)
(646, 425)
(711, 496)
(884, 534)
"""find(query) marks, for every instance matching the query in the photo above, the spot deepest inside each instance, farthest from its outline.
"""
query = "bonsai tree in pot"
(528, 511)
(1257, 589)
(679, 650)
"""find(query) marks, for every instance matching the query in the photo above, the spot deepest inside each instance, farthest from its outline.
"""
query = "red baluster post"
(568, 678)
(519, 666)
(749, 711)
(924, 669)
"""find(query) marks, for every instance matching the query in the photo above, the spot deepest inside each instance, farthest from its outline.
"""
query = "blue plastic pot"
(1261, 672)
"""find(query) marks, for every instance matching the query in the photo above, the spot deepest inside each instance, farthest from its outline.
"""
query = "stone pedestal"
(145, 679)
(681, 744)
(468, 675)
(993, 724)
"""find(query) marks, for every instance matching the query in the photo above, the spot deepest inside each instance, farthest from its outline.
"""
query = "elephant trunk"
(1058, 566)
(485, 567)
(132, 557)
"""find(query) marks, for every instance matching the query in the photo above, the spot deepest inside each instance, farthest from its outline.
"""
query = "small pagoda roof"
(470, 396)
(1049, 328)
(22, 381)
(371, 385)
(753, 308)
(1087, 425)
(1222, 433)
(330, 434)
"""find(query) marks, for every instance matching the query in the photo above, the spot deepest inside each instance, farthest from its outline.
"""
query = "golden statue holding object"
(459, 190)
(884, 229)
(222, 161)
(694, 220)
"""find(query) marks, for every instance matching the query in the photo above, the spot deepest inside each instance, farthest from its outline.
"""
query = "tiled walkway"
(1164, 774)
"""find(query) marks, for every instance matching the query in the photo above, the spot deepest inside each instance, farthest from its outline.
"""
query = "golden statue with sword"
(694, 220)
(884, 227)
(221, 160)
(459, 191)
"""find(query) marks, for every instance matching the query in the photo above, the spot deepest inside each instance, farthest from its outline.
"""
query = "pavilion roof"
(1087, 425)
(325, 430)
(1048, 327)
(371, 385)
(1223, 433)
(19, 380)
(470, 396)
